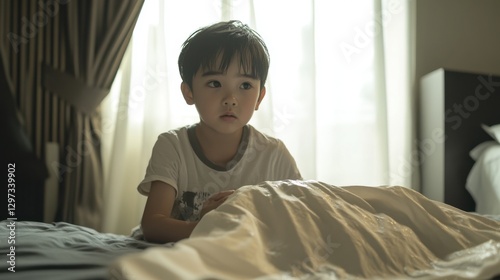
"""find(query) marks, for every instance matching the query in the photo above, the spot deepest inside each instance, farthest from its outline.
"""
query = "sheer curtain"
(339, 91)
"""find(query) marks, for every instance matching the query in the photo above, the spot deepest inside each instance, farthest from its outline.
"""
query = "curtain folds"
(62, 57)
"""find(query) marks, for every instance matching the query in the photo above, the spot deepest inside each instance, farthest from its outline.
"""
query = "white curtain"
(339, 91)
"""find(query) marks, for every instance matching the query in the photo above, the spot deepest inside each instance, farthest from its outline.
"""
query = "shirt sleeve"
(286, 167)
(164, 163)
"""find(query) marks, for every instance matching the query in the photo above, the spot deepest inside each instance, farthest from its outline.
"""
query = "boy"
(195, 168)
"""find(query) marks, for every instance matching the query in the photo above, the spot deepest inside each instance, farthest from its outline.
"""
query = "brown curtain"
(60, 59)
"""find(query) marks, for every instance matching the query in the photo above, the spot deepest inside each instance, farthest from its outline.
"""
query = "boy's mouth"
(228, 115)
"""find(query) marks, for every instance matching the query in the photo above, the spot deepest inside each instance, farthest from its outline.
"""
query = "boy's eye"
(214, 84)
(246, 86)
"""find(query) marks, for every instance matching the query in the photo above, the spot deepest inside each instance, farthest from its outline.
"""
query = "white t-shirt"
(178, 161)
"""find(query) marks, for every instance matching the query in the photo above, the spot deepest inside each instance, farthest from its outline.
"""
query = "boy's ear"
(187, 93)
(261, 96)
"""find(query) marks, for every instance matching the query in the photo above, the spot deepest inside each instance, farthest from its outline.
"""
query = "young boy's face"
(225, 100)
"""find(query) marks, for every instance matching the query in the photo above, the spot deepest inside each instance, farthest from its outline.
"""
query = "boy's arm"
(157, 225)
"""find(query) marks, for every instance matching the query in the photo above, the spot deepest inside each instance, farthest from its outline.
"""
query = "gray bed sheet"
(61, 250)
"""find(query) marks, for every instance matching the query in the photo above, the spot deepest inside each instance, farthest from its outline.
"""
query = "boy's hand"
(214, 201)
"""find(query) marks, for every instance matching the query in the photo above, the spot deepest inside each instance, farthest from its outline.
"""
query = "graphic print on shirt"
(189, 204)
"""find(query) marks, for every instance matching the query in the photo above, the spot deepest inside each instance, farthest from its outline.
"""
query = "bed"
(277, 230)
(37, 250)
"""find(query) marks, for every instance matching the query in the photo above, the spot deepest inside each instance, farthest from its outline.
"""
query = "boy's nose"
(230, 100)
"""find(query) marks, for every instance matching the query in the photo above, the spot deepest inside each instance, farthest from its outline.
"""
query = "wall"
(457, 34)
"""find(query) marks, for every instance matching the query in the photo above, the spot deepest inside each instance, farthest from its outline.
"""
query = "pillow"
(479, 149)
(493, 131)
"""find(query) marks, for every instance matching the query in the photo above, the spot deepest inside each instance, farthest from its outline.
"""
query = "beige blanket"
(312, 230)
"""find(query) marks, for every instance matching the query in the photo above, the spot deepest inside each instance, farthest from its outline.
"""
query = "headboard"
(453, 105)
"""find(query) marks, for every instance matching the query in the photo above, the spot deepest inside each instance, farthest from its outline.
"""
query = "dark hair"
(203, 47)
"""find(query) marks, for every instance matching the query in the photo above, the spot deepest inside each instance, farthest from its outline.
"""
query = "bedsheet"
(60, 250)
(313, 230)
